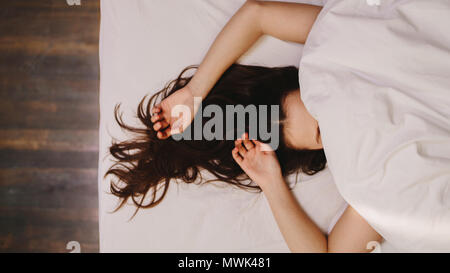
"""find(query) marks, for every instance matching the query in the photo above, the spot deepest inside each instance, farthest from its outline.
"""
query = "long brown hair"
(145, 165)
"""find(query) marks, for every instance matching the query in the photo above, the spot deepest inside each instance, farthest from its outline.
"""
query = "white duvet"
(377, 78)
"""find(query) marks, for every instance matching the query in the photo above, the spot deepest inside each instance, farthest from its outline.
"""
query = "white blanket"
(143, 45)
(377, 78)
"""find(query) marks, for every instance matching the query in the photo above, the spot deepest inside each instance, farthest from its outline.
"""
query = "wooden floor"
(49, 79)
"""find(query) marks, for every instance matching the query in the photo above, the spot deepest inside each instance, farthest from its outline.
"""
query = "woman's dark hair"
(145, 165)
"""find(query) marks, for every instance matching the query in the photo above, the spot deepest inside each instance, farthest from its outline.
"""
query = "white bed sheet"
(143, 45)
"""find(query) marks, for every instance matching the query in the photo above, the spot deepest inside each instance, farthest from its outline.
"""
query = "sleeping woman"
(146, 164)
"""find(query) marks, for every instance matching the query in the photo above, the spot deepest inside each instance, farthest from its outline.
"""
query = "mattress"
(143, 45)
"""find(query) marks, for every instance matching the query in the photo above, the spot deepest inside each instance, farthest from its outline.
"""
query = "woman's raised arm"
(285, 21)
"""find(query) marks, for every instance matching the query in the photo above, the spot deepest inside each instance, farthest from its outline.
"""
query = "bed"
(375, 74)
(143, 45)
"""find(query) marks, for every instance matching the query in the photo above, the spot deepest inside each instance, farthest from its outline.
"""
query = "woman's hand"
(162, 119)
(258, 161)
(253, 20)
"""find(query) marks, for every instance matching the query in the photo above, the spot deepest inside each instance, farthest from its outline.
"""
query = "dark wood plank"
(41, 114)
(77, 88)
(49, 187)
(49, 80)
(47, 230)
(47, 159)
(66, 140)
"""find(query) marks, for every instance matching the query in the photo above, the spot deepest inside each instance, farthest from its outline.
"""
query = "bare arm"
(350, 234)
(285, 21)
(300, 233)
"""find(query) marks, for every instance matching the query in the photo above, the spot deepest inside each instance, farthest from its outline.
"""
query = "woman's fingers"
(163, 128)
(248, 144)
(237, 157)
(243, 145)
(263, 147)
(160, 125)
(163, 134)
(156, 117)
(241, 149)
